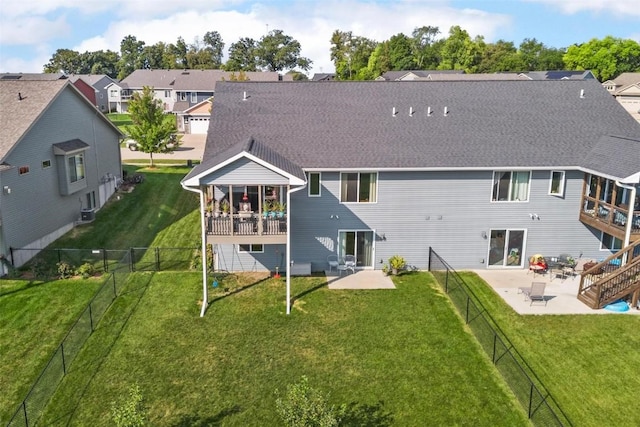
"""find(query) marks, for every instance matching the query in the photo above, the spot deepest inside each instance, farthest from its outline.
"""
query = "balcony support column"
(629, 225)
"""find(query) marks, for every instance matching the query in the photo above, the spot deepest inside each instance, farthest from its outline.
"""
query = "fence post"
(64, 364)
(466, 316)
(24, 410)
(91, 317)
(493, 356)
(104, 260)
(132, 261)
(11, 252)
(59, 258)
(530, 399)
(157, 252)
(115, 289)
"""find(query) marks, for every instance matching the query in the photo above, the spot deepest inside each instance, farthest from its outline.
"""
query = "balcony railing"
(245, 224)
(612, 218)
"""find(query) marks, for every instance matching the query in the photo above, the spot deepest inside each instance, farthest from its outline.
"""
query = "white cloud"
(32, 31)
(616, 7)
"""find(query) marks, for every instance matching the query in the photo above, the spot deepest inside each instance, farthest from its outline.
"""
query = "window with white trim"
(610, 243)
(46, 164)
(252, 248)
(76, 167)
(315, 184)
(194, 97)
(510, 186)
(358, 187)
(556, 183)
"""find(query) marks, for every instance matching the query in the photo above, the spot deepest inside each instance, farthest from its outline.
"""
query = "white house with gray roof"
(181, 90)
(485, 172)
(60, 162)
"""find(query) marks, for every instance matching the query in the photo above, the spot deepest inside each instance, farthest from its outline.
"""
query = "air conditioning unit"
(87, 214)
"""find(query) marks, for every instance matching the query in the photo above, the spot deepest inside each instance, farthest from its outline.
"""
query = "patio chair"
(333, 262)
(348, 265)
(535, 292)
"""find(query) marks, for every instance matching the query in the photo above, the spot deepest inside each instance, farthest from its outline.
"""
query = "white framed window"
(556, 183)
(183, 96)
(610, 243)
(252, 248)
(113, 93)
(194, 97)
(510, 186)
(167, 94)
(46, 164)
(315, 181)
(76, 167)
(358, 187)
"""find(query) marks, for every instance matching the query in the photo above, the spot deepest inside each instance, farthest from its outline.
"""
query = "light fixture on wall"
(7, 189)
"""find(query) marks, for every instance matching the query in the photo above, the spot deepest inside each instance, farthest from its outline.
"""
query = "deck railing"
(610, 214)
(243, 224)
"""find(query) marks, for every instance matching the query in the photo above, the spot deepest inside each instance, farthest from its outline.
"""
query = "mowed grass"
(396, 357)
(34, 318)
(35, 315)
(589, 363)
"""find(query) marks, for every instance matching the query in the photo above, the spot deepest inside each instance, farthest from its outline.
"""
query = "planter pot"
(225, 214)
(394, 271)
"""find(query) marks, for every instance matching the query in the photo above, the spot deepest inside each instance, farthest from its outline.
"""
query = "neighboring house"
(99, 83)
(181, 90)
(626, 89)
(414, 74)
(560, 75)
(487, 173)
(323, 77)
(60, 161)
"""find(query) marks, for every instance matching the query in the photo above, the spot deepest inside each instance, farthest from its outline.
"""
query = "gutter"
(288, 251)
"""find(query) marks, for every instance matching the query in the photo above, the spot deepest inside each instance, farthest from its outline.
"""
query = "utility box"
(87, 214)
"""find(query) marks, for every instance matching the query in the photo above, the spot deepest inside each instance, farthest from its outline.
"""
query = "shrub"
(65, 270)
(130, 411)
(86, 270)
(302, 406)
(397, 262)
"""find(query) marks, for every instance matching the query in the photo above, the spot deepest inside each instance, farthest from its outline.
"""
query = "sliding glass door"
(358, 243)
(506, 248)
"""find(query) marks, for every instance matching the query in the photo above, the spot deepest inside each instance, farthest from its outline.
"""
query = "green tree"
(64, 61)
(179, 53)
(152, 129)
(538, 57)
(350, 54)
(459, 52)
(500, 56)
(242, 56)
(379, 61)
(277, 51)
(130, 56)
(606, 58)
(425, 48)
(155, 57)
(400, 53)
(214, 47)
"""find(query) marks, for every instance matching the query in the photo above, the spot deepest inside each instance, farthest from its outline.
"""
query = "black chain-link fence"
(540, 406)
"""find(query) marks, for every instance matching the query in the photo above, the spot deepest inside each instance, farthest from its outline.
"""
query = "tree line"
(356, 57)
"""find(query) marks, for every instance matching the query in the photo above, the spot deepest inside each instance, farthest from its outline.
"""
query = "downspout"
(627, 232)
(205, 290)
(288, 256)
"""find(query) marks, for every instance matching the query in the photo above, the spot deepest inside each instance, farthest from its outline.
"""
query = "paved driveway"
(191, 148)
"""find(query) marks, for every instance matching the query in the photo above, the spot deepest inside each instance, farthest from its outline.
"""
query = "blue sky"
(32, 30)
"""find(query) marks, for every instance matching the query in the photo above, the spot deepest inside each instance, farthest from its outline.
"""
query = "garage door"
(198, 125)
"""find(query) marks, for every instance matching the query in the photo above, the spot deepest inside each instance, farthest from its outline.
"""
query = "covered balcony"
(608, 207)
(245, 214)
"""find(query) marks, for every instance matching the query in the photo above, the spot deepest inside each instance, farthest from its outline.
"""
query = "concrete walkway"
(561, 294)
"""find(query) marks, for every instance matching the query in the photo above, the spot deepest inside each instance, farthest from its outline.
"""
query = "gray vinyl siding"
(445, 210)
(244, 172)
(448, 211)
(35, 207)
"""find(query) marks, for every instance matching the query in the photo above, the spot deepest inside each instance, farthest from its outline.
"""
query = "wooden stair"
(612, 279)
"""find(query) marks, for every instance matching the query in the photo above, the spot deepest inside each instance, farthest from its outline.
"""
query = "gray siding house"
(60, 163)
(485, 172)
(99, 82)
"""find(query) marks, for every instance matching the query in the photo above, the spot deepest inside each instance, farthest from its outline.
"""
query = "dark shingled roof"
(71, 145)
(489, 124)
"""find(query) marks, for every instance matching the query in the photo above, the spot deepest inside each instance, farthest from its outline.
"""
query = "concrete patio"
(561, 294)
(361, 279)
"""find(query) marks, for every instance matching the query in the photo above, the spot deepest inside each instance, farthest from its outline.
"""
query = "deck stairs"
(612, 279)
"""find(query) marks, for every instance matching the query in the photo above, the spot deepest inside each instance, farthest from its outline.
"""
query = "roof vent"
(446, 111)
(245, 96)
(394, 112)
(20, 98)
(410, 111)
(429, 112)
(581, 93)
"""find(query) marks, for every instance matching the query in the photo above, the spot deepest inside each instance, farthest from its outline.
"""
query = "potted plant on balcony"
(224, 207)
(266, 208)
(396, 263)
(280, 208)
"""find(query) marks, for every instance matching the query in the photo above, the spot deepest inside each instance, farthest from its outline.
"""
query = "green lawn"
(34, 317)
(589, 363)
(396, 357)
